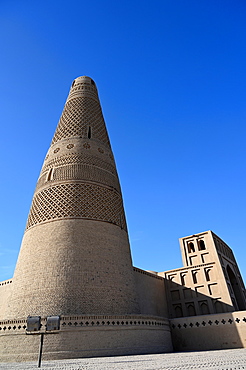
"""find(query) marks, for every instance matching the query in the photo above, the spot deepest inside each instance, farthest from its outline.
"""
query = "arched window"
(191, 248)
(218, 307)
(204, 308)
(201, 245)
(182, 277)
(178, 311)
(191, 310)
(194, 277)
(207, 274)
(236, 289)
(49, 176)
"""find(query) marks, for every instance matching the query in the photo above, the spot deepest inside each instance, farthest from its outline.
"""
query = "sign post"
(34, 327)
(40, 349)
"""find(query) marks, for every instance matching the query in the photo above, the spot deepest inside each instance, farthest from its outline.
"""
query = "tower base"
(86, 336)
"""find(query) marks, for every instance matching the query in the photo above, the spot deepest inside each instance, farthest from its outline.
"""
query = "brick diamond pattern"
(80, 113)
(87, 201)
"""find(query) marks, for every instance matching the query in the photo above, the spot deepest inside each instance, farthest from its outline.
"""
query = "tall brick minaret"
(75, 256)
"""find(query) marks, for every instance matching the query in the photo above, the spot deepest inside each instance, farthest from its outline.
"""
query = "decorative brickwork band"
(77, 201)
(79, 159)
(79, 114)
(79, 172)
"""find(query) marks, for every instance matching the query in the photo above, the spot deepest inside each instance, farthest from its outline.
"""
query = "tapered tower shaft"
(75, 256)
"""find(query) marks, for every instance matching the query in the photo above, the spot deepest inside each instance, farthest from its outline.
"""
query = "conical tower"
(75, 256)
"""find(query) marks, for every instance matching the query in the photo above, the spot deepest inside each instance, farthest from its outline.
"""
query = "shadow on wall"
(202, 322)
(209, 332)
(185, 301)
(239, 302)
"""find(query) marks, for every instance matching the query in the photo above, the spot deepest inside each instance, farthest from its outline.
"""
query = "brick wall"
(87, 336)
(151, 293)
(5, 291)
(208, 332)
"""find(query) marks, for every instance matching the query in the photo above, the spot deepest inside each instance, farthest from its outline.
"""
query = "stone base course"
(208, 332)
(86, 336)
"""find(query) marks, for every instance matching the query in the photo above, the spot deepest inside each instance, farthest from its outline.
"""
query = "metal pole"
(40, 349)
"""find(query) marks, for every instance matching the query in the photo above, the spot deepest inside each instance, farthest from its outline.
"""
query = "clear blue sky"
(171, 79)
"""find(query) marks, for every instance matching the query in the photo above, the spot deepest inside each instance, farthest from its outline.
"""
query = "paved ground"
(217, 360)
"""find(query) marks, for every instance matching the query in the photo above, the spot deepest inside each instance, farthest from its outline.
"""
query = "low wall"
(5, 290)
(208, 332)
(151, 293)
(86, 336)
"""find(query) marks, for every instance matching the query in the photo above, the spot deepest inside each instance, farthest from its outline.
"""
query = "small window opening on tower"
(182, 277)
(49, 176)
(89, 132)
(191, 248)
(201, 245)
(92, 82)
(194, 277)
(73, 83)
(207, 274)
